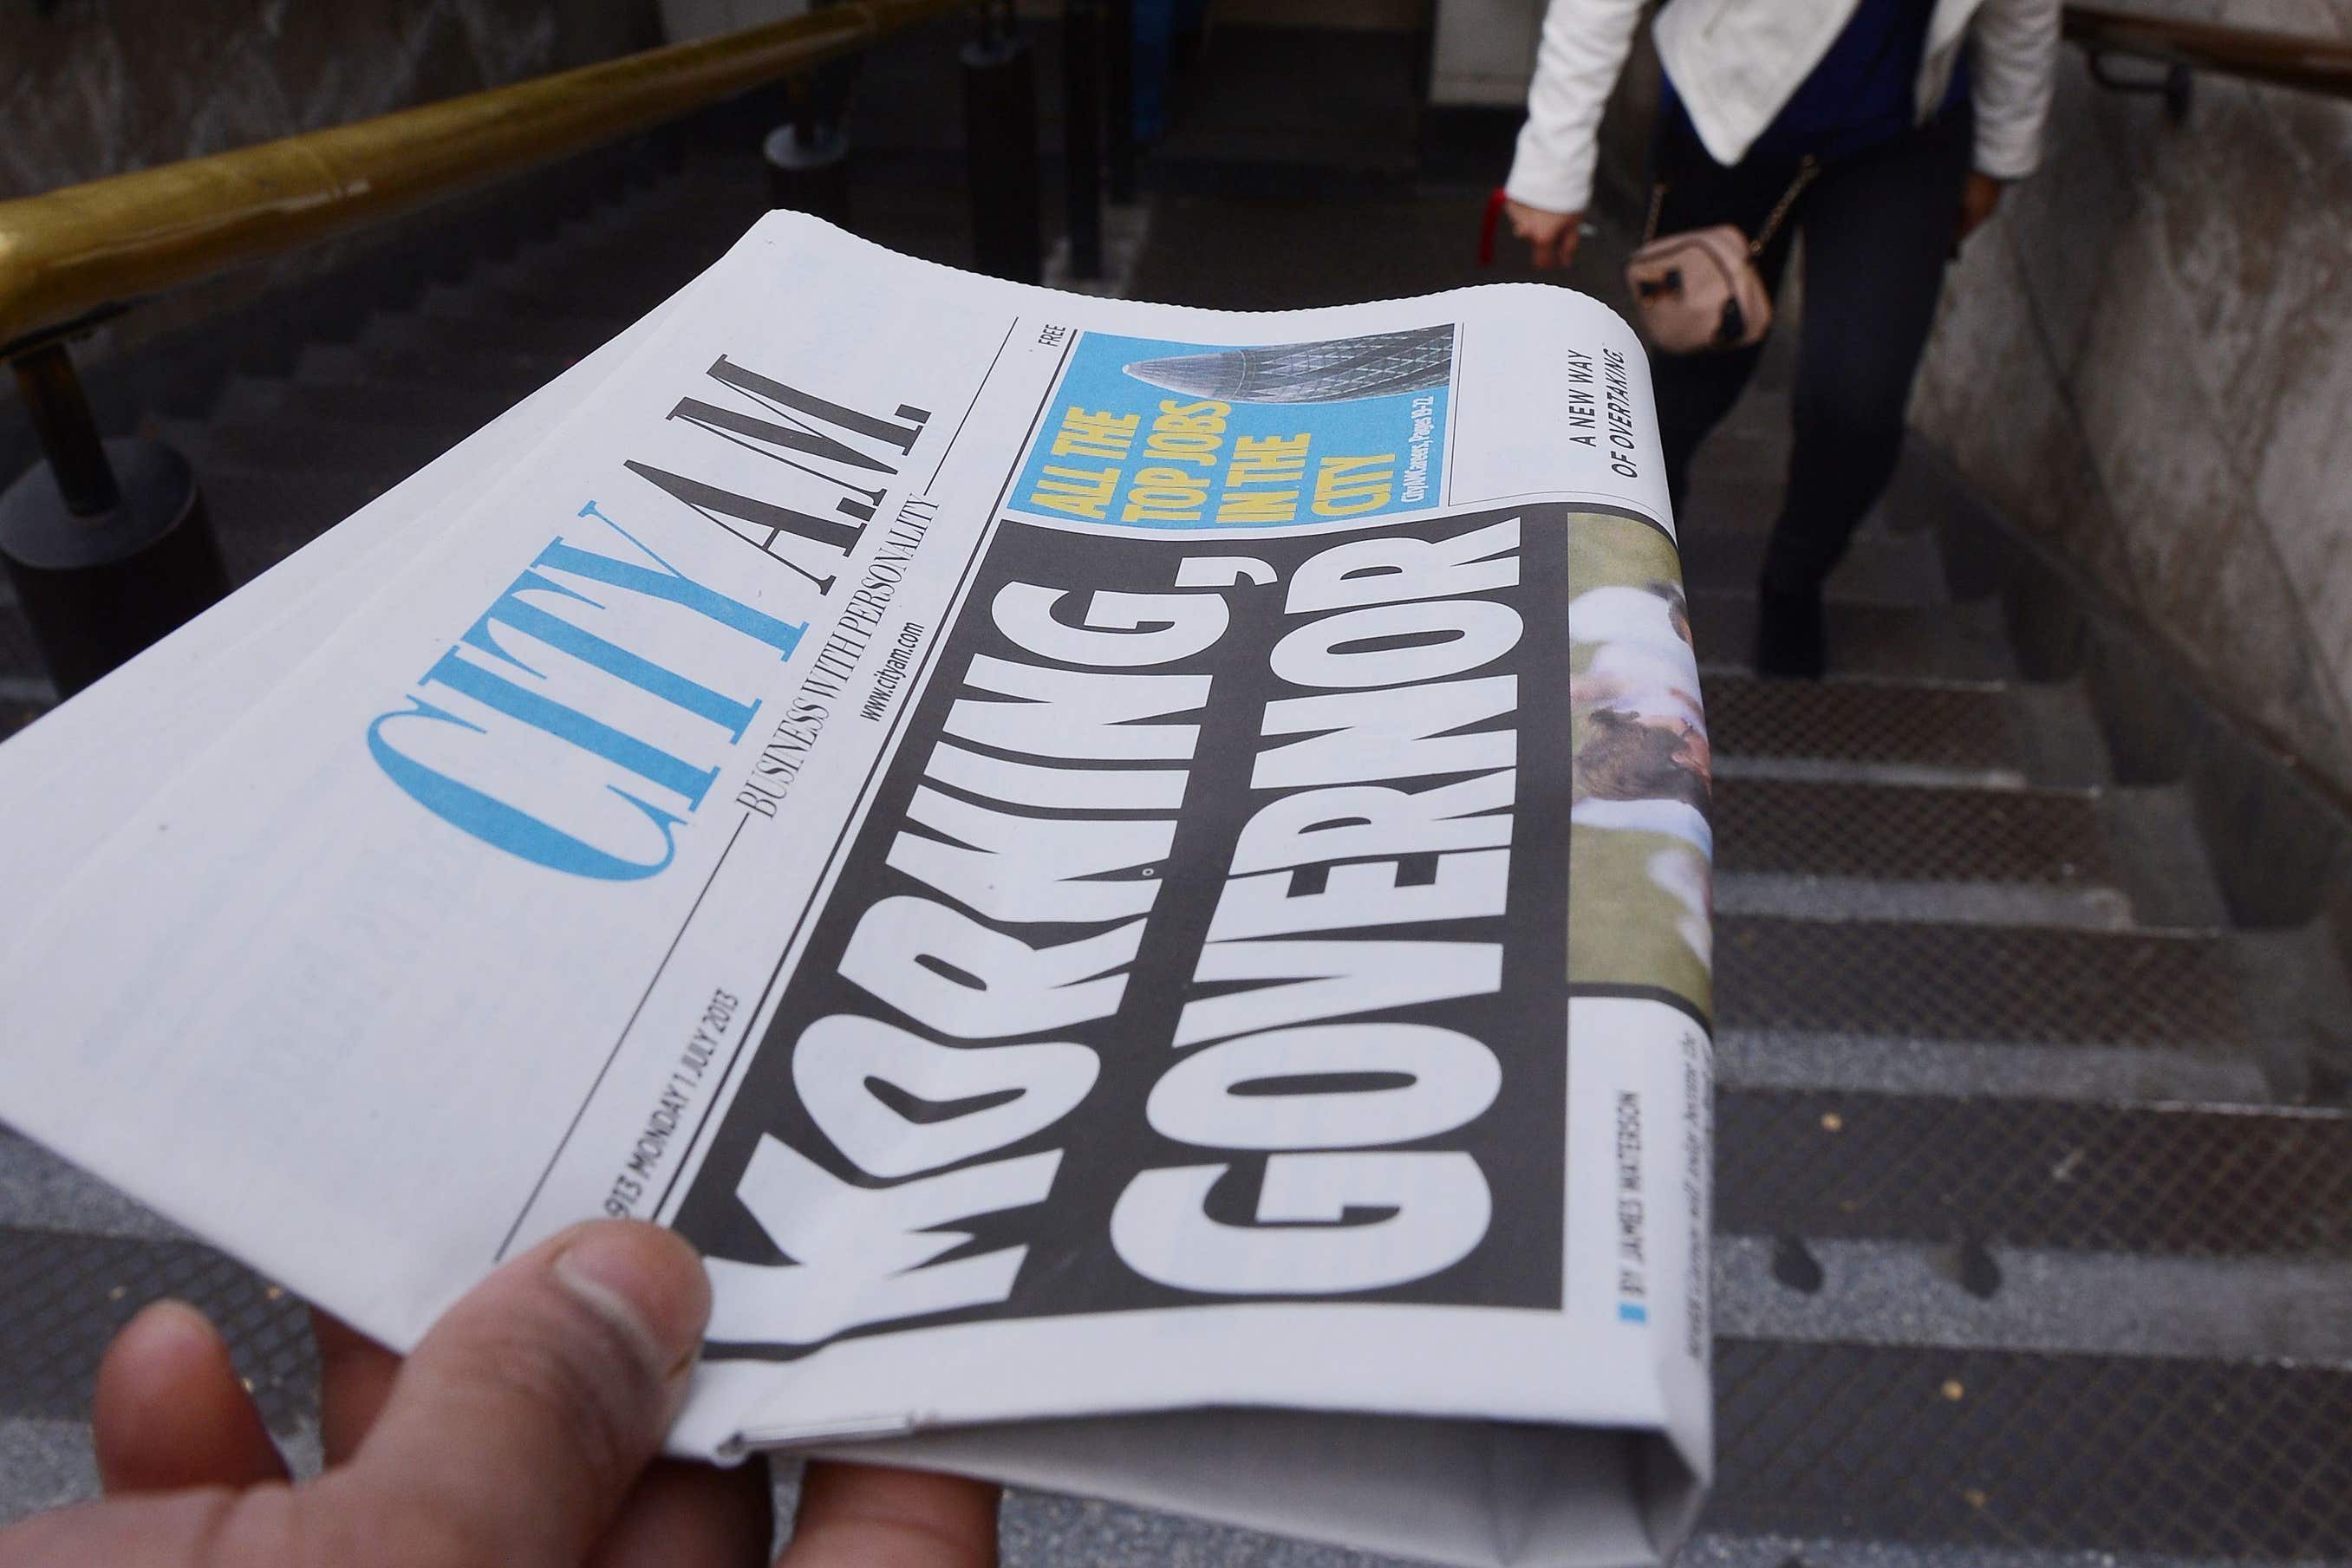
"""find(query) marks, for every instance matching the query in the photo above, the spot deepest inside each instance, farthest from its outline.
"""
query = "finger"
(355, 1378)
(171, 1411)
(523, 1419)
(1569, 241)
(693, 1516)
(156, 1530)
(862, 1516)
(1546, 250)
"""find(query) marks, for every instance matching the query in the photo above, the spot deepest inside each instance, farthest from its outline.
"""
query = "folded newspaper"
(1135, 879)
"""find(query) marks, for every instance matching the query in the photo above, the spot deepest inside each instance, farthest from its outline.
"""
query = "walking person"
(1884, 131)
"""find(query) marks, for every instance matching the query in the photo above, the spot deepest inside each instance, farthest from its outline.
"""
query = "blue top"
(1860, 92)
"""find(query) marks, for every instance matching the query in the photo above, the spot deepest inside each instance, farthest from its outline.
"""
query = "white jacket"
(1736, 62)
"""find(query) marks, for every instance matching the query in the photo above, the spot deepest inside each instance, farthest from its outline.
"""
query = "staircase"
(2025, 1248)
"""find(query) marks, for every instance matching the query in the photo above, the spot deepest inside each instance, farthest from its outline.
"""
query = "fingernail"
(647, 1283)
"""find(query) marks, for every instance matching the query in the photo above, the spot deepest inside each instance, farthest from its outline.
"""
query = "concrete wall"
(2147, 361)
(100, 86)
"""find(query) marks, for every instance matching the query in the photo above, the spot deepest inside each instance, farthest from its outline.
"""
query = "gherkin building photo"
(1337, 369)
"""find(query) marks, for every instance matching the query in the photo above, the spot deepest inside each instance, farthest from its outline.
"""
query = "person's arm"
(2014, 70)
(1583, 49)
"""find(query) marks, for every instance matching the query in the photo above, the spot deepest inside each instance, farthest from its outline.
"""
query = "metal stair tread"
(1987, 985)
(612, 277)
(2007, 1450)
(2052, 1174)
(262, 515)
(560, 337)
(1909, 832)
(480, 300)
(458, 361)
(453, 404)
(299, 439)
(1966, 729)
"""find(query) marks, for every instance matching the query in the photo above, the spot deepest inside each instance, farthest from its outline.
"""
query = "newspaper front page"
(1136, 878)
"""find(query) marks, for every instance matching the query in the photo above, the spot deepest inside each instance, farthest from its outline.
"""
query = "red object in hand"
(1495, 200)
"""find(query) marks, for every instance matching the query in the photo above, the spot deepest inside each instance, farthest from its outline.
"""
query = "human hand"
(1551, 236)
(521, 1434)
(1979, 197)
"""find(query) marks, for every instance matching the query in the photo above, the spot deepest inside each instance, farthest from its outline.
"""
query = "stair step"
(63, 1296)
(1901, 730)
(40, 1191)
(426, 404)
(608, 308)
(623, 274)
(247, 399)
(458, 363)
(1880, 1063)
(566, 337)
(1979, 984)
(1910, 833)
(262, 515)
(2006, 1452)
(1968, 1295)
(298, 440)
(1829, 851)
(1879, 569)
(2061, 1175)
(1894, 642)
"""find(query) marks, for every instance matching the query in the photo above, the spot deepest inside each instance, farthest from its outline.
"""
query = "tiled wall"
(2147, 361)
(96, 86)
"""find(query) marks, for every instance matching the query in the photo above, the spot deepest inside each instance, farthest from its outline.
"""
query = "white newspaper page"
(1112, 866)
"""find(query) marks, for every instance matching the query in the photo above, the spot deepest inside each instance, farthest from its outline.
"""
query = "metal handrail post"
(1082, 101)
(1000, 118)
(1119, 92)
(68, 430)
(108, 542)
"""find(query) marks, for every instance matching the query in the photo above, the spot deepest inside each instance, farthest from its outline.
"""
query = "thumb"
(516, 1430)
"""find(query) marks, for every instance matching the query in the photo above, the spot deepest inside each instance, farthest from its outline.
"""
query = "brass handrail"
(2283, 60)
(71, 252)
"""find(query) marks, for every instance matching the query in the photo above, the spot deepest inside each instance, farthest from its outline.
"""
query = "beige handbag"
(1699, 289)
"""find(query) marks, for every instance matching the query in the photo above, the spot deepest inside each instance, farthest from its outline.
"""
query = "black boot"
(1788, 641)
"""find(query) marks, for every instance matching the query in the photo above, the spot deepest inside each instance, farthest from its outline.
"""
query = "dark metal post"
(1000, 123)
(808, 156)
(68, 429)
(1082, 52)
(107, 542)
(808, 161)
(1118, 90)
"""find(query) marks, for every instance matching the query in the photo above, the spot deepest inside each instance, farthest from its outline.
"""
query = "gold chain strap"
(1806, 170)
(1805, 173)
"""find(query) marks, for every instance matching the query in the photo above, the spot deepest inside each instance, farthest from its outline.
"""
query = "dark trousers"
(1878, 228)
